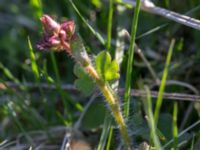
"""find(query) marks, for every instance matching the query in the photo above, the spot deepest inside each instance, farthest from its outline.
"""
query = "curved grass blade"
(98, 36)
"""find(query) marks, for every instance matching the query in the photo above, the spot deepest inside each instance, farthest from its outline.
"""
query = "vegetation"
(113, 90)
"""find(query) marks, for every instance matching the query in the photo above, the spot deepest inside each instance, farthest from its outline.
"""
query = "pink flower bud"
(56, 36)
(50, 26)
(68, 27)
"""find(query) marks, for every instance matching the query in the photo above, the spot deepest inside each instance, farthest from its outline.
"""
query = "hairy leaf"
(106, 68)
(84, 82)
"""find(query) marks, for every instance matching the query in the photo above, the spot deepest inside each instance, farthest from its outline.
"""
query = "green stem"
(112, 101)
(58, 85)
(130, 59)
(109, 27)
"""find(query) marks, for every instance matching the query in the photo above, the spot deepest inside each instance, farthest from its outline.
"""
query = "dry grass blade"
(179, 18)
(134, 92)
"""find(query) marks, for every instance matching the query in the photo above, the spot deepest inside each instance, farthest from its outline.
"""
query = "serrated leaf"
(84, 82)
(107, 69)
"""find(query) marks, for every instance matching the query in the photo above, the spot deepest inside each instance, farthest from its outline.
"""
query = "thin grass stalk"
(109, 27)
(35, 70)
(163, 81)
(192, 144)
(37, 5)
(98, 36)
(131, 58)
(148, 110)
(108, 46)
(182, 133)
(58, 84)
(105, 133)
(175, 128)
(109, 139)
(33, 61)
(12, 113)
(64, 95)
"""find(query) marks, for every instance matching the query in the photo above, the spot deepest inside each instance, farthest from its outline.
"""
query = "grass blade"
(130, 58)
(33, 61)
(37, 5)
(8, 74)
(182, 133)
(192, 144)
(148, 110)
(105, 132)
(98, 36)
(109, 27)
(162, 86)
(175, 128)
(109, 139)
(108, 46)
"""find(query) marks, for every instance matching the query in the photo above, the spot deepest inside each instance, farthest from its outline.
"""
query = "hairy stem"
(112, 100)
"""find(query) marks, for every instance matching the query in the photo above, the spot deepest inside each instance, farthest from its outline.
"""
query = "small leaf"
(107, 69)
(84, 82)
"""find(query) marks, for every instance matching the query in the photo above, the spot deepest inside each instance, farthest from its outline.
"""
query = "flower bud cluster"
(56, 36)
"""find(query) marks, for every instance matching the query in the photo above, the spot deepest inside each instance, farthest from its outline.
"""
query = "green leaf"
(84, 83)
(106, 68)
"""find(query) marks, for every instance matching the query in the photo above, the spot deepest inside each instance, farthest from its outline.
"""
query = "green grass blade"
(105, 132)
(58, 84)
(13, 115)
(37, 5)
(192, 144)
(109, 139)
(148, 110)
(98, 36)
(130, 58)
(36, 73)
(109, 27)
(162, 86)
(66, 99)
(33, 61)
(8, 74)
(45, 73)
(175, 128)
(151, 31)
(182, 133)
(108, 46)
